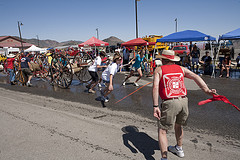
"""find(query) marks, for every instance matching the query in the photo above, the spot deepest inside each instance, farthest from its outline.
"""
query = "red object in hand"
(217, 98)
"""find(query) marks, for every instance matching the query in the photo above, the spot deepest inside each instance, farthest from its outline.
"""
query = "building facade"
(9, 41)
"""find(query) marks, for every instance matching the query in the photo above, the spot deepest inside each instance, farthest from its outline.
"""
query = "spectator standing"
(10, 68)
(168, 82)
(25, 67)
(238, 60)
(126, 56)
(190, 47)
(195, 54)
(206, 61)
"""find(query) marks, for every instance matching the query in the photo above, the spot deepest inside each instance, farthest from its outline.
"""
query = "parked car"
(181, 50)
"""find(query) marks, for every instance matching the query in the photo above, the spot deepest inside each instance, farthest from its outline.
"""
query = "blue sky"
(64, 20)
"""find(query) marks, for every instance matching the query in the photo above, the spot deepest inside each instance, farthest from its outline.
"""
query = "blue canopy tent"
(186, 36)
(231, 35)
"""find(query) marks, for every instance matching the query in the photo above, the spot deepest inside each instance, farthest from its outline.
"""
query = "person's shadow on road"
(141, 142)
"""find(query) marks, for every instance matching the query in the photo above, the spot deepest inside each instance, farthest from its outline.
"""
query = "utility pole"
(38, 41)
(136, 18)
(20, 24)
(97, 33)
(176, 24)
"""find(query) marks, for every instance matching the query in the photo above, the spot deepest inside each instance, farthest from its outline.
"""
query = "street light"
(38, 40)
(136, 18)
(20, 24)
(176, 24)
(97, 33)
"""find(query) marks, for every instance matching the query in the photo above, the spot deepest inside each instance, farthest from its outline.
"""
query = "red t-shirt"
(10, 63)
(172, 82)
(104, 59)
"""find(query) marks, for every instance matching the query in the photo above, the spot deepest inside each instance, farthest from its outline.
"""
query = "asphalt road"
(42, 127)
(215, 118)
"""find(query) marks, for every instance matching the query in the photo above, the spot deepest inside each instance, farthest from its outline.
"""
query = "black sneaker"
(88, 87)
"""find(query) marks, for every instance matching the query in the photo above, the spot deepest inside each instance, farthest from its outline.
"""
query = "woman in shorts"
(136, 67)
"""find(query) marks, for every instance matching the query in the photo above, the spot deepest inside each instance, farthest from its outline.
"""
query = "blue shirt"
(138, 61)
(24, 62)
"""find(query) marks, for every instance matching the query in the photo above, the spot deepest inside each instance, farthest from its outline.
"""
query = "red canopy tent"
(135, 42)
(93, 42)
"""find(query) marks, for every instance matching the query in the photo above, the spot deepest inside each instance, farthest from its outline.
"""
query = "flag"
(218, 98)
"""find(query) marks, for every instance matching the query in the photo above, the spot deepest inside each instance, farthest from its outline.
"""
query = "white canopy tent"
(33, 48)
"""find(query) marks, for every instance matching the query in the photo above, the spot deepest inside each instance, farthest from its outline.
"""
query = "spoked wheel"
(83, 75)
(82, 61)
(61, 71)
(20, 78)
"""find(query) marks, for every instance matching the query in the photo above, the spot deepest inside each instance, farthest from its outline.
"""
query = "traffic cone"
(151, 68)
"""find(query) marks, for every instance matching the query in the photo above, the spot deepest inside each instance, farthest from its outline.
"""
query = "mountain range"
(53, 43)
(112, 40)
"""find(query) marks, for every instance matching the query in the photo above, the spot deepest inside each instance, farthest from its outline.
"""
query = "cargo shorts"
(27, 71)
(173, 111)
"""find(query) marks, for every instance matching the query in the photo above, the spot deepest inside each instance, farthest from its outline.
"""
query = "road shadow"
(141, 142)
(129, 83)
(99, 98)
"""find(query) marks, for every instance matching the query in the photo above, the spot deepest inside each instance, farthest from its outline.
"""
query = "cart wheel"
(83, 58)
(61, 71)
(83, 75)
(20, 78)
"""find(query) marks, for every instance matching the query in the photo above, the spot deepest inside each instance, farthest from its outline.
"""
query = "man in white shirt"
(93, 72)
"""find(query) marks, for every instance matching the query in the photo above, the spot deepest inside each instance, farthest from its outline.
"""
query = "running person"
(93, 72)
(105, 62)
(108, 74)
(136, 67)
(25, 67)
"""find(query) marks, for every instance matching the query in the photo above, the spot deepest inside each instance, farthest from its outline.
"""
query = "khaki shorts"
(173, 111)
(27, 71)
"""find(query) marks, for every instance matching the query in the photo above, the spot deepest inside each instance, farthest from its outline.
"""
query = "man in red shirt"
(168, 82)
(10, 68)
